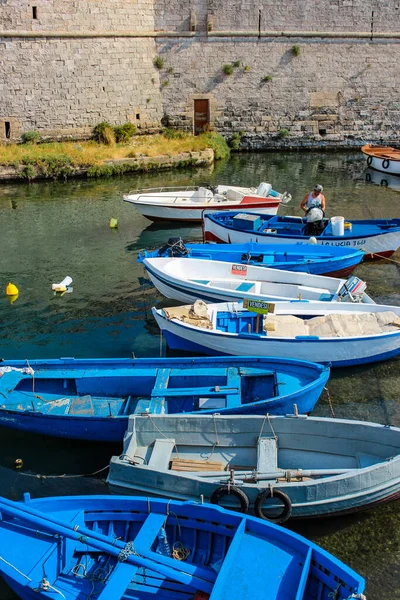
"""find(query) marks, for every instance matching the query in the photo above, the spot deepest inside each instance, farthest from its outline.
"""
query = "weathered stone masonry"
(80, 62)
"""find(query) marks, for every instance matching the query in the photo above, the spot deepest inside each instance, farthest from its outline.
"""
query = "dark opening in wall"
(34, 12)
(138, 116)
(7, 129)
(322, 131)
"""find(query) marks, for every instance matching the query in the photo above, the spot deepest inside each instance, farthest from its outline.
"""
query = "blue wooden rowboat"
(113, 548)
(92, 399)
(334, 261)
(317, 467)
(377, 238)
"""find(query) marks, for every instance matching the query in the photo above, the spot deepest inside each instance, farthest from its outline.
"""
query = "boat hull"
(302, 441)
(304, 389)
(383, 159)
(195, 213)
(338, 352)
(315, 260)
(187, 280)
(129, 565)
(374, 246)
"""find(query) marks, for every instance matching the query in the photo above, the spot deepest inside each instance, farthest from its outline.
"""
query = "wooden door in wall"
(201, 115)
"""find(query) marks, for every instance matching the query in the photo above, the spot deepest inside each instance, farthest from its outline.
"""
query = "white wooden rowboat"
(382, 158)
(342, 334)
(187, 279)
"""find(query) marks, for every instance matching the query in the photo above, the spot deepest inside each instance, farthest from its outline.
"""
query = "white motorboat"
(189, 204)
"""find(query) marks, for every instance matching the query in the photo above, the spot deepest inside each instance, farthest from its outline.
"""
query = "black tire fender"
(384, 183)
(385, 163)
(269, 493)
(226, 490)
(368, 177)
(369, 160)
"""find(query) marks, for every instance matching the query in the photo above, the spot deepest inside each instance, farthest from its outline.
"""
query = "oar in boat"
(184, 573)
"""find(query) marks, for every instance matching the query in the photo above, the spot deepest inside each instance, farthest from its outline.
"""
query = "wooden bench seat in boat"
(188, 464)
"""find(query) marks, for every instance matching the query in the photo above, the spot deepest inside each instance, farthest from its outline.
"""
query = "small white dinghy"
(189, 279)
(340, 333)
(311, 466)
(188, 204)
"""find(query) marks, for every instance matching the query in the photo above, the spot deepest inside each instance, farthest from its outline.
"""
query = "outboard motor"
(353, 290)
(264, 189)
(174, 247)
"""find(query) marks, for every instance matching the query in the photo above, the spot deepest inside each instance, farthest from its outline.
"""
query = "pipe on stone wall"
(96, 34)
(307, 34)
(211, 34)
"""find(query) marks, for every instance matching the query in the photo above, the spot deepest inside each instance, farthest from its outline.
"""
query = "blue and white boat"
(310, 466)
(377, 238)
(342, 334)
(91, 399)
(124, 548)
(188, 279)
(308, 258)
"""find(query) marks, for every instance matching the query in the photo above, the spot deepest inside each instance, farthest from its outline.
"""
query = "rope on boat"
(330, 402)
(46, 586)
(267, 416)
(377, 255)
(163, 434)
(15, 568)
(64, 476)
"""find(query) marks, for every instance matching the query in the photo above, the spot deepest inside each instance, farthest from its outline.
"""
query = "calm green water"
(50, 230)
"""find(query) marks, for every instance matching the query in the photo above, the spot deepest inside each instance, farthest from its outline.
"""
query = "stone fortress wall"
(68, 64)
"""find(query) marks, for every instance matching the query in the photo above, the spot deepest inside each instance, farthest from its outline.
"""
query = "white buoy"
(313, 240)
(62, 286)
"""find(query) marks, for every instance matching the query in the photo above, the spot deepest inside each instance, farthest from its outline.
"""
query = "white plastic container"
(337, 226)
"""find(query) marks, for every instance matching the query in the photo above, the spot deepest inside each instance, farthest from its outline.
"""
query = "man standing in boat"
(313, 205)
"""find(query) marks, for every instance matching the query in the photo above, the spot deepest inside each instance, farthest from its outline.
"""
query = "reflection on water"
(383, 179)
(50, 230)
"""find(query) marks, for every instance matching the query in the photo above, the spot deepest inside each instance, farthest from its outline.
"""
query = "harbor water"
(49, 230)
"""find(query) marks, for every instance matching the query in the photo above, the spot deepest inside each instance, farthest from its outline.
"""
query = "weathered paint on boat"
(324, 466)
(91, 399)
(119, 548)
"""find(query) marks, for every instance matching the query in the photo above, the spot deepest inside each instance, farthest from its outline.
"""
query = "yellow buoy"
(11, 289)
(19, 463)
(12, 299)
(113, 223)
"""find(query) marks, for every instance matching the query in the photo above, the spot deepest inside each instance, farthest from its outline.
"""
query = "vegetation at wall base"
(295, 50)
(283, 133)
(55, 160)
(31, 137)
(235, 141)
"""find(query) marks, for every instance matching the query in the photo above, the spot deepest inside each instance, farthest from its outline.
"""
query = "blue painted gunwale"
(93, 530)
(304, 384)
(360, 228)
(313, 259)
